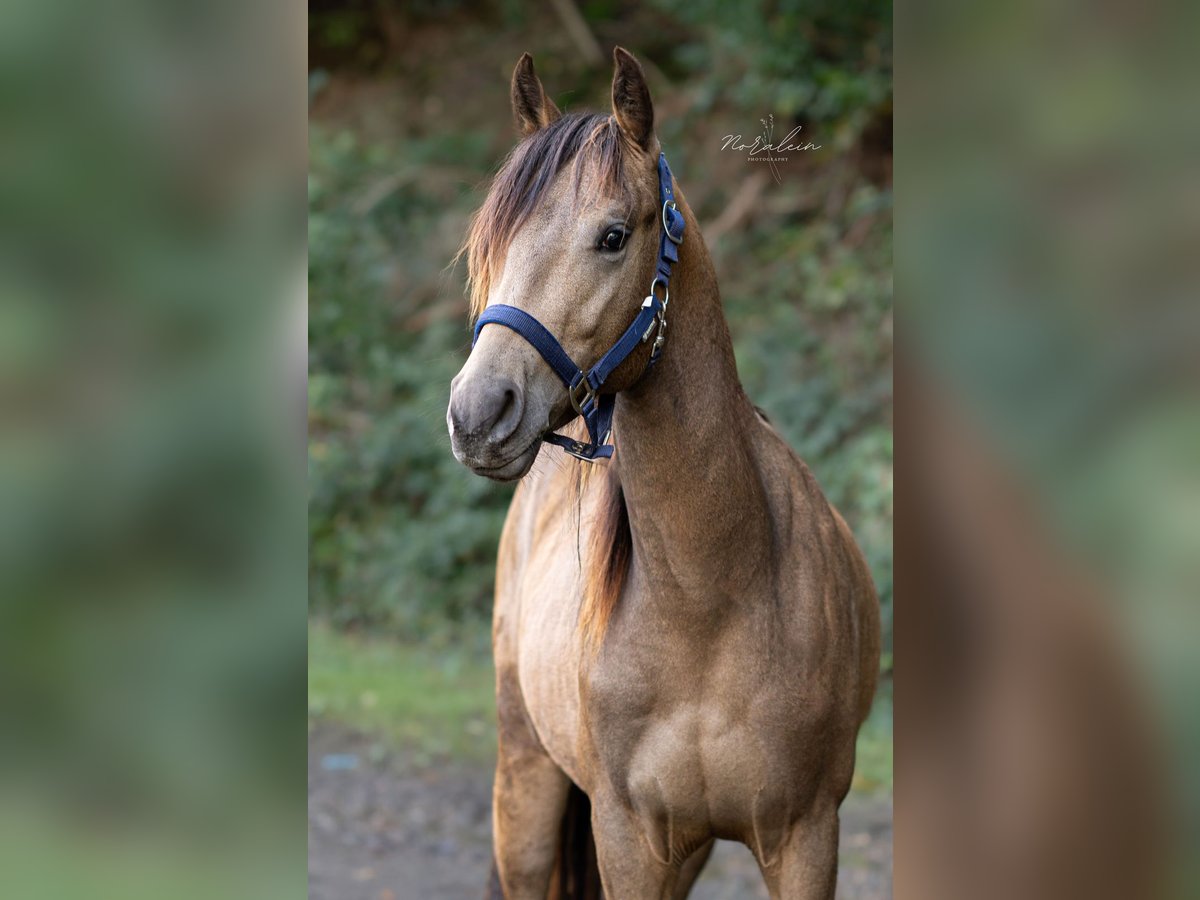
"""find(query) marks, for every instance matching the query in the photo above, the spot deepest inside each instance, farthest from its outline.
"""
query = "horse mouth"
(512, 470)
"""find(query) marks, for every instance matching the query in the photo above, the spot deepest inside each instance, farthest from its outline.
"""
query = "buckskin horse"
(686, 635)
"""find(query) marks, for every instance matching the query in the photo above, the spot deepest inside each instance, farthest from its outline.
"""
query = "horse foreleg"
(806, 867)
(691, 871)
(528, 802)
(630, 869)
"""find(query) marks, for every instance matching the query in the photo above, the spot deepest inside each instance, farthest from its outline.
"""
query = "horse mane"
(609, 550)
(523, 180)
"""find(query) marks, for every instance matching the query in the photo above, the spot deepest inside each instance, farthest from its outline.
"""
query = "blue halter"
(584, 388)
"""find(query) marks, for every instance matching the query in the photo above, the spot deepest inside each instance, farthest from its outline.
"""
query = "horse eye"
(613, 240)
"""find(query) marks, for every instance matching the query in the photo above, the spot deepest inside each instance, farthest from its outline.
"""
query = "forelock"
(592, 142)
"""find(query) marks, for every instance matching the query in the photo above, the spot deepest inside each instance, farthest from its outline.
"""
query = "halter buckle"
(581, 394)
(648, 302)
(578, 449)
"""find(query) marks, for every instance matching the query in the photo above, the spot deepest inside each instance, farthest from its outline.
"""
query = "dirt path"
(380, 830)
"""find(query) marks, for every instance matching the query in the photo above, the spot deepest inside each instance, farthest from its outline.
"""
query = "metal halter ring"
(666, 228)
(658, 279)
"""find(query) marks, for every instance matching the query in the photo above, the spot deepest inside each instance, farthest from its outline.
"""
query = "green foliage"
(829, 61)
(399, 533)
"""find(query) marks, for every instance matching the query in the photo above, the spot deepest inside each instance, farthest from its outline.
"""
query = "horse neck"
(697, 508)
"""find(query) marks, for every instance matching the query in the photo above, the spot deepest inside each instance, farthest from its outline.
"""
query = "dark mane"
(522, 182)
(609, 542)
(610, 552)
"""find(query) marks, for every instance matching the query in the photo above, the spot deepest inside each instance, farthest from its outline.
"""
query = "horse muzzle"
(485, 420)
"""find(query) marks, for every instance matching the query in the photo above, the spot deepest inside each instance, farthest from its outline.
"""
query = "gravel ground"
(383, 830)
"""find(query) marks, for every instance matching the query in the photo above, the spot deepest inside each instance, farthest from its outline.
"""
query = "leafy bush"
(399, 532)
(827, 61)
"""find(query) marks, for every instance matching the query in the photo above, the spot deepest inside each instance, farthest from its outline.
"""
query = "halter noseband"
(584, 388)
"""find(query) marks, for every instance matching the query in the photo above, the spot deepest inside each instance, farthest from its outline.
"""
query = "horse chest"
(693, 758)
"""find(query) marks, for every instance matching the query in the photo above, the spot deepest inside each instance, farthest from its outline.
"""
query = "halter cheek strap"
(583, 388)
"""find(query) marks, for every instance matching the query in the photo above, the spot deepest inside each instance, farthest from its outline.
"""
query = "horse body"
(723, 694)
(717, 707)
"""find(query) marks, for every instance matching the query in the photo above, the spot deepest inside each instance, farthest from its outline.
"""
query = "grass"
(437, 704)
(432, 704)
(873, 760)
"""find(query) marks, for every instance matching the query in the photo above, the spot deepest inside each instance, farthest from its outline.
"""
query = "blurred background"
(1047, 396)
(152, 638)
(409, 116)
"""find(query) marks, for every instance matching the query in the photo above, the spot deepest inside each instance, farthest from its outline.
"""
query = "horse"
(686, 636)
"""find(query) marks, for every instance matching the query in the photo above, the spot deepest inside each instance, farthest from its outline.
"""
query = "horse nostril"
(506, 403)
(489, 411)
(509, 415)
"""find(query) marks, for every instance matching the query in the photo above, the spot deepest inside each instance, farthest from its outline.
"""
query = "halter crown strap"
(583, 388)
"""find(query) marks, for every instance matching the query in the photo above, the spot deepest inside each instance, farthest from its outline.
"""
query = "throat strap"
(583, 388)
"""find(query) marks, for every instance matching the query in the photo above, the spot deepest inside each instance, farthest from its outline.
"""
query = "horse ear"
(532, 109)
(631, 99)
